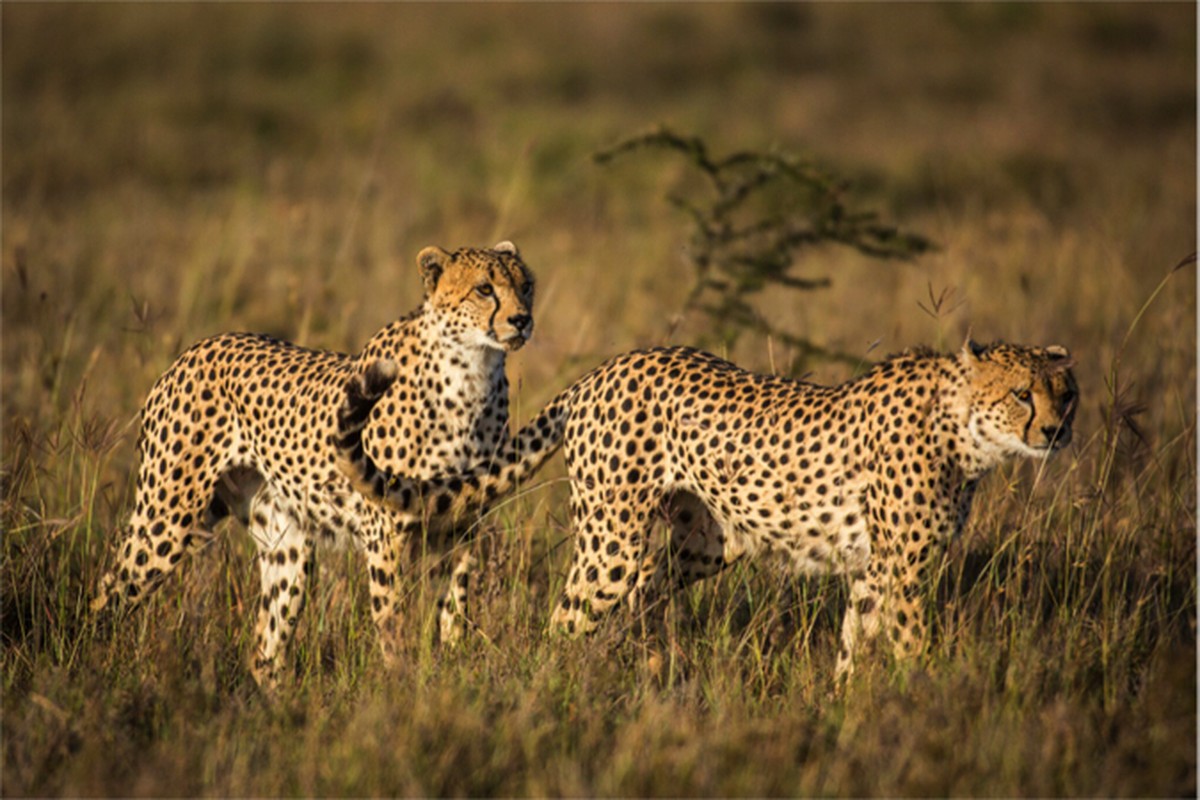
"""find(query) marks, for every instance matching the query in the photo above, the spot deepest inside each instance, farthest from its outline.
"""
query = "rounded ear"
(972, 351)
(506, 247)
(431, 261)
(1061, 358)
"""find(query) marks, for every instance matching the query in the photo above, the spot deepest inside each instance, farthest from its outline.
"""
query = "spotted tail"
(454, 496)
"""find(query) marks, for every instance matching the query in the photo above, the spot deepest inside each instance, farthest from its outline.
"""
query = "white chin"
(1031, 452)
(485, 341)
(492, 344)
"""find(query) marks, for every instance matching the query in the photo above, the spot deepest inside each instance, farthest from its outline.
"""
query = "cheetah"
(243, 425)
(867, 480)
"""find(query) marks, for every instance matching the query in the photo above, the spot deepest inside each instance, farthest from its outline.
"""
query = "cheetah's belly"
(814, 535)
(827, 539)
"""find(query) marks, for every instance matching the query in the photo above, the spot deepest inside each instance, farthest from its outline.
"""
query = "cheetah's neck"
(971, 460)
(468, 371)
(450, 401)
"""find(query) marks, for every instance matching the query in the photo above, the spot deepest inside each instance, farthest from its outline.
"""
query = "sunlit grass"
(174, 171)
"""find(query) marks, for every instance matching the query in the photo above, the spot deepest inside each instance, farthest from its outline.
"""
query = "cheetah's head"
(486, 295)
(1023, 399)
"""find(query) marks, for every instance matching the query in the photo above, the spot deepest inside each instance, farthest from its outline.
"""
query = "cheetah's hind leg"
(611, 538)
(695, 550)
(150, 551)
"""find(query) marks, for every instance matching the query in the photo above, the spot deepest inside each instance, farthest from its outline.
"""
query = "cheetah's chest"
(442, 424)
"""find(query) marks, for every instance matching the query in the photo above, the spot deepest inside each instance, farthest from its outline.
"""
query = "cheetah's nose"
(520, 321)
(1058, 435)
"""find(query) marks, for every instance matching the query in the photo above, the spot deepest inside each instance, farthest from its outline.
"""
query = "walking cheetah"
(868, 479)
(243, 425)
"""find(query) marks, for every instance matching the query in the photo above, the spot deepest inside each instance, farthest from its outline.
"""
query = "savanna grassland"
(173, 171)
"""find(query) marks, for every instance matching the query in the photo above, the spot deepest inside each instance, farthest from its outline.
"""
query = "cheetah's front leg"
(386, 553)
(889, 596)
(871, 611)
(930, 514)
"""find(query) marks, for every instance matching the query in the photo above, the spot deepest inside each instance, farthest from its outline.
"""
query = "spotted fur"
(244, 425)
(869, 479)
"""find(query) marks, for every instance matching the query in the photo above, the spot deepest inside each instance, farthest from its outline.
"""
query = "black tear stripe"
(491, 276)
(495, 311)
(1032, 417)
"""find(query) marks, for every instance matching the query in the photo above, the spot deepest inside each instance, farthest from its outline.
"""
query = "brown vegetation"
(171, 171)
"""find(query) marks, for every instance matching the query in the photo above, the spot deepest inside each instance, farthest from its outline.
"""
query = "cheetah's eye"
(1024, 395)
(485, 290)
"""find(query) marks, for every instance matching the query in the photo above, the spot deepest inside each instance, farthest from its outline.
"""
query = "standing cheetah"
(244, 425)
(869, 479)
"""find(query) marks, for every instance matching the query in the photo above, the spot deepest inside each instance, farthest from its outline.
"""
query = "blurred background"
(171, 171)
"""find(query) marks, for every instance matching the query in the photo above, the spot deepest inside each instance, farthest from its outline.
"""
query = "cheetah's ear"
(431, 261)
(506, 247)
(1060, 358)
(972, 351)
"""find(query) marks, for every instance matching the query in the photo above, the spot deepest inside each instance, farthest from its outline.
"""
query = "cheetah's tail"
(363, 391)
(451, 495)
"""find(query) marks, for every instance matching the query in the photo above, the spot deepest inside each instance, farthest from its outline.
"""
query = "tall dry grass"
(174, 171)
